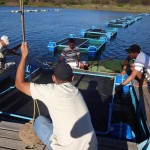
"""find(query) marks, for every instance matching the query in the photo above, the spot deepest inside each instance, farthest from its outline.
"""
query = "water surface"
(42, 27)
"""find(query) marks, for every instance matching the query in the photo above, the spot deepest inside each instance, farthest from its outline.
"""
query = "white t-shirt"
(141, 61)
(72, 127)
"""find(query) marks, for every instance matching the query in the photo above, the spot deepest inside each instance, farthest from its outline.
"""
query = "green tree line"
(77, 2)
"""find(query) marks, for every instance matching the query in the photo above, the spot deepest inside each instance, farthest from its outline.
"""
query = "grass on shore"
(109, 7)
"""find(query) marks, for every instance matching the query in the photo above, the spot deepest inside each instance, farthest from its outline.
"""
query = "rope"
(34, 113)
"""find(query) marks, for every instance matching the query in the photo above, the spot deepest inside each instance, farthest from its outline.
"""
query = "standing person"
(140, 68)
(4, 41)
(72, 55)
(71, 127)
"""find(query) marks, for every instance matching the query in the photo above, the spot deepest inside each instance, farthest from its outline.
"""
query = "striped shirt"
(70, 54)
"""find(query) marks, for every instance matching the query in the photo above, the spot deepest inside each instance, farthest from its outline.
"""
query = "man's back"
(141, 61)
(72, 127)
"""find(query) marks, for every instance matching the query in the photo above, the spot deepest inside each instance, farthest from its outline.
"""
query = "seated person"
(140, 69)
(4, 41)
(72, 56)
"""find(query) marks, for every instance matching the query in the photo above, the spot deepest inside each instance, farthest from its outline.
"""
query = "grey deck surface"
(9, 140)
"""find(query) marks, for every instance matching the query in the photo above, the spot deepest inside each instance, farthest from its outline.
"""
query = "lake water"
(42, 27)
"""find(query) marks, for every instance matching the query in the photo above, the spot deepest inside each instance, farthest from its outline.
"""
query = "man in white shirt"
(140, 68)
(71, 127)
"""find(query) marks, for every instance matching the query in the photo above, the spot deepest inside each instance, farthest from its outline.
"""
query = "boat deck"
(143, 101)
(97, 96)
(9, 140)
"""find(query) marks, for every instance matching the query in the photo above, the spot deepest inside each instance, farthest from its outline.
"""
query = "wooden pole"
(22, 19)
(23, 31)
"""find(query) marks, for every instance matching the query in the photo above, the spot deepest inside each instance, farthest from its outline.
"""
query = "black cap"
(134, 49)
(63, 71)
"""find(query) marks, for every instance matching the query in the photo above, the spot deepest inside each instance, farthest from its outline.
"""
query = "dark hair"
(63, 72)
(134, 49)
(71, 40)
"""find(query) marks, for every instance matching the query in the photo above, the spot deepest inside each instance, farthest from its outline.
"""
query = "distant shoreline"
(119, 8)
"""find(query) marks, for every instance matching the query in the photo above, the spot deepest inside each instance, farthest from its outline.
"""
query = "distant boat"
(117, 24)
(95, 33)
(57, 9)
(34, 10)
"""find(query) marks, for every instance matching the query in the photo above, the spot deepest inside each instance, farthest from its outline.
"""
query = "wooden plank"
(9, 143)
(3, 148)
(9, 134)
(10, 125)
(12, 144)
(116, 144)
(9, 137)
(143, 96)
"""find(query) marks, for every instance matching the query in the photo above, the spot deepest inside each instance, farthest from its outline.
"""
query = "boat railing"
(8, 89)
(27, 77)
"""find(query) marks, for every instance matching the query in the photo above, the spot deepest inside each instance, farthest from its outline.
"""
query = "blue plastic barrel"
(92, 50)
(122, 131)
(82, 33)
(103, 39)
(71, 35)
(51, 46)
(29, 69)
(93, 27)
(109, 35)
(115, 29)
(119, 80)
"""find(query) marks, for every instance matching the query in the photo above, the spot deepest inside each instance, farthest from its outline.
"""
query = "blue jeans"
(44, 129)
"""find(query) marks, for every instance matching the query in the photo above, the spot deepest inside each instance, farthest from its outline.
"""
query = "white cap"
(5, 39)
